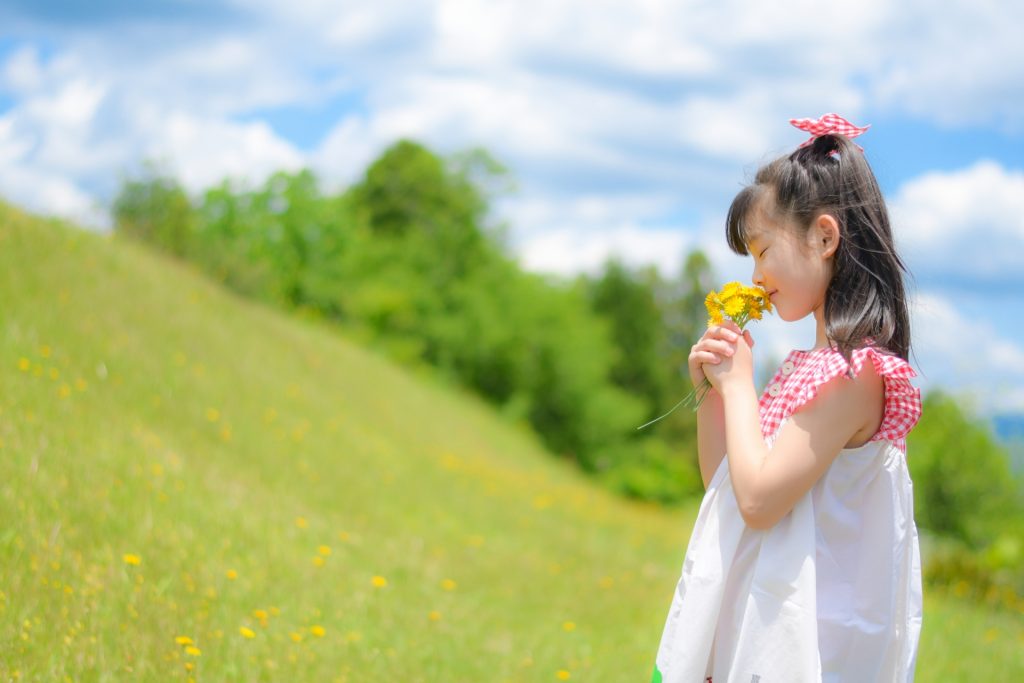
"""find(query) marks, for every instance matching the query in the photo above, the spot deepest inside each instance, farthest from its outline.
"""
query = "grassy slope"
(145, 411)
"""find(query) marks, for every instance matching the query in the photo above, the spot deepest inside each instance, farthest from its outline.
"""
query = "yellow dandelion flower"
(296, 637)
(24, 364)
(183, 640)
(212, 414)
(246, 631)
(434, 615)
(448, 584)
(317, 631)
(324, 550)
(716, 318)
(132, 559)
(712, 303)
(318, 561)
(563, 675)
(301, 522)
(379, 581)
(730, 290)
(189, 666)
(231, 574)
(260, 614)
(569, 626)
(193, 650)
(755, 313)
(733, 306)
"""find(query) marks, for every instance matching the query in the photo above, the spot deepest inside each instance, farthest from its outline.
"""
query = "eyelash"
(762, 252)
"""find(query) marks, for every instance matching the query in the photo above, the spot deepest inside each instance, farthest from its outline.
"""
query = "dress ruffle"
(814, 369)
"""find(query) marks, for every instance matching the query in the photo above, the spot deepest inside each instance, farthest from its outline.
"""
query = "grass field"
(195, 486)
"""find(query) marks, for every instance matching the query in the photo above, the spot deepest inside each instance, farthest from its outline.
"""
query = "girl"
(804, 562)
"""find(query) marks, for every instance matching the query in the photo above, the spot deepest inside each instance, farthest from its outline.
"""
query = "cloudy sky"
(628, 126)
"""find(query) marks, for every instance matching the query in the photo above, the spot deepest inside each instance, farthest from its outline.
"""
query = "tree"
(155, 209)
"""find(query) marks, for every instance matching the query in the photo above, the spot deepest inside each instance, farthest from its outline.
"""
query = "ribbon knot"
(828, 124)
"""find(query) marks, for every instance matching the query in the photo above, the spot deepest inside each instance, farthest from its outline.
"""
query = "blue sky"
(627, 125)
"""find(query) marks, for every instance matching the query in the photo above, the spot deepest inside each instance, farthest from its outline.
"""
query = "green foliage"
(408, 261)
(963, 486)
(968, 504)
(155, 209)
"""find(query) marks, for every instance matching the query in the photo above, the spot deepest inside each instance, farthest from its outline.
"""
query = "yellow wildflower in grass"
(324, 550)
(563, 675)
(317, 631)
(134, 560)
(301, 522)
(569, 626)
(24, 364)
(183, 640)
(434, 615)
(193, 650)
(296, 637)
(246, 631)
(379, 581)
(737, 302)
(318, 561)
(231, 574)
(261, 615)
(448, 584)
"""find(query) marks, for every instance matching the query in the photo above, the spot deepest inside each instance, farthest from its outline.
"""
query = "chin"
(791, 316)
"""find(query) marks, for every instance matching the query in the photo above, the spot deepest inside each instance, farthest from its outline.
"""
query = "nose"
(757, 278)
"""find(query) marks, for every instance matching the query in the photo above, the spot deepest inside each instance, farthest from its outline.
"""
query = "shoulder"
(871, 393)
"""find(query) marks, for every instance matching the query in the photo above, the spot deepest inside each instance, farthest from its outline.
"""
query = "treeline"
(409, 260)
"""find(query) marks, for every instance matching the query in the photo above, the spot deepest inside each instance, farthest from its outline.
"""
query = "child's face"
(794, 270)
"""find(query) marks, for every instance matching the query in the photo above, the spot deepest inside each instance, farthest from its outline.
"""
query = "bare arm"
(710, 435)
(768, 483)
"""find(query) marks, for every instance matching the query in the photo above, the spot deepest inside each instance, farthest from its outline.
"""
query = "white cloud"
(965, 223)
(969, 356)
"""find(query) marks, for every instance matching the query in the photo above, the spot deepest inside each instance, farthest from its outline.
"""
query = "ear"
(826, 235)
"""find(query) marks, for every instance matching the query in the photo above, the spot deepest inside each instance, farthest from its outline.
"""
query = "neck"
(820, 338)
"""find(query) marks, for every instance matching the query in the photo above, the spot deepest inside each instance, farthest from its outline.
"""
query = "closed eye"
(762, 252)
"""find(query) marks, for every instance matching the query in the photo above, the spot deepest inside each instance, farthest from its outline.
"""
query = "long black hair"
(865, 297)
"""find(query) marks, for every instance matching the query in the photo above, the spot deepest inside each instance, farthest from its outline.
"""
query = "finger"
(716, 333)
(723, 331)
(719, 346)
(705, 357)
(750, 339)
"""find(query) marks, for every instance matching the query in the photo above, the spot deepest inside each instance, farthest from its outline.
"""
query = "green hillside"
(177, 462)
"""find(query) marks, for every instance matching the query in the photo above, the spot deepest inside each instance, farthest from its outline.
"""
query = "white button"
(788, 367)
(774, 389)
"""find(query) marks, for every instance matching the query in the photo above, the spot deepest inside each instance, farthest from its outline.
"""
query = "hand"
(717, 344)
(736, 365)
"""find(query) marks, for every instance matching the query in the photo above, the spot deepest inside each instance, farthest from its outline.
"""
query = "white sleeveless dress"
(832, 592)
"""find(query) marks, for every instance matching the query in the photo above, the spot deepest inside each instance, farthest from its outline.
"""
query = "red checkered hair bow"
(828, 123)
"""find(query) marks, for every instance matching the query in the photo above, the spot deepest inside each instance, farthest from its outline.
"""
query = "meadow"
(198, 487)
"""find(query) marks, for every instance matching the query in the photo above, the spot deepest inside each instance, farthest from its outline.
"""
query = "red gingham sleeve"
(902, 399)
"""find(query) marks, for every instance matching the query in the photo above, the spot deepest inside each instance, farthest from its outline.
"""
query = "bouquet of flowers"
(739, 303)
